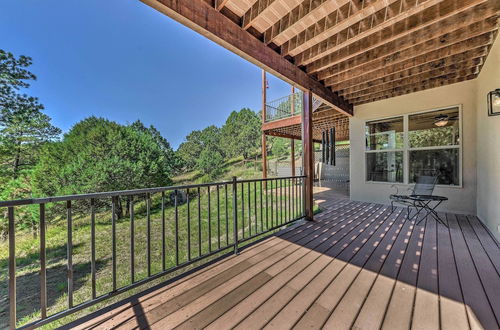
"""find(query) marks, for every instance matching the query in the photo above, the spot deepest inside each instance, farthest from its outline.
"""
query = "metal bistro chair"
(419, 196)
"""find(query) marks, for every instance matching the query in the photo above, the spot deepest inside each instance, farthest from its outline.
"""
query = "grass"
(251, 219)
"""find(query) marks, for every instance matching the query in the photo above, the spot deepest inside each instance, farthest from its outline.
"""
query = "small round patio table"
(428, 204)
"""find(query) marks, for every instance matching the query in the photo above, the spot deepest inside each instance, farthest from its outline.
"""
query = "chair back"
(424, 185)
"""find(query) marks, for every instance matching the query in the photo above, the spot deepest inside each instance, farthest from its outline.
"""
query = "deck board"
(356, 266)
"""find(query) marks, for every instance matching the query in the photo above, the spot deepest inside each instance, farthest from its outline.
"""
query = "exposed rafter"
(411, 88)
(340, 35)
(422, 63)
(297, 15)
(475, 35)
(257, 8)
(459, 69)
(219, 4)
(384, 44)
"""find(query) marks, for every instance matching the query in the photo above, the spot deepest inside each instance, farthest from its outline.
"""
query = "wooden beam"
(264, 111)
(220, 4)
(348, 14)
(421, 85)
(255, 10)
(297, 15)
(403, 69)
(471, 64)
(206, 20)
(307, 150)
(352, 37)
(389, 43)
(294, 120)
(425, 57)
(476, 35)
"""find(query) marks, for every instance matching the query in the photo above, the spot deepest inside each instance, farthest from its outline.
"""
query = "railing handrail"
(97, 195)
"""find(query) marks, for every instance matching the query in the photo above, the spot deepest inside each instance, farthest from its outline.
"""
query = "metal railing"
(187, 224)
(287, 106)
(282, 107)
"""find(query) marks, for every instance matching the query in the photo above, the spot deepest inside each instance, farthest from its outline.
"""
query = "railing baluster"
(132, 241)
(176, 205)
(163, 233)
(255, 204)
(235, 215)
(289, 198)
(267, 204)
(243, 209)
(261, 209)
(199, 222)
(188, 224)
(272, 204)
(277, 204)
(12, 269)
(69, 253)
(92, 248)
(227, 216)
(281, 202)
(249, 211)
(113, 240)
(148, 219)
(43, 272)
(209, 222)
(218, 218)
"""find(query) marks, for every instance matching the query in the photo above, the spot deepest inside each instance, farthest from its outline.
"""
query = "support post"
(307, 151)
(264, 146)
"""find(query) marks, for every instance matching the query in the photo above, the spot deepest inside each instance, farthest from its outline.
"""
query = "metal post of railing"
(12, 269)
(235, 216)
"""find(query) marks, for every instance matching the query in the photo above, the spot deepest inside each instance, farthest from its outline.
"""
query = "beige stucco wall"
(461, 200)
(488, 144)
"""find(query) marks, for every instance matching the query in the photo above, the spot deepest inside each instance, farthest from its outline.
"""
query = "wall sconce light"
(494, 102)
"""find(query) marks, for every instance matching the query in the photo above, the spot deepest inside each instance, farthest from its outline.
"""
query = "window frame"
(406, 147)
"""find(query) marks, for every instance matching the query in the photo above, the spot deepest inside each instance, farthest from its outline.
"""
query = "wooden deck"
(357, 266)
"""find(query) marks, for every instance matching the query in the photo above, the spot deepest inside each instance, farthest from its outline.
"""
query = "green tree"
(242, 133)
(23, 126)
(100, 155)
(196, 142)
(171, 157)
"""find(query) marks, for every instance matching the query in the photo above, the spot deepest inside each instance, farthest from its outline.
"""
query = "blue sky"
(122, 60)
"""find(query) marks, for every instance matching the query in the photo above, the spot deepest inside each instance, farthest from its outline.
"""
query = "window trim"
(406, 148)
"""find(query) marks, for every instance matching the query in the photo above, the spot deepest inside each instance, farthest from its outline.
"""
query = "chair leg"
(392, 207)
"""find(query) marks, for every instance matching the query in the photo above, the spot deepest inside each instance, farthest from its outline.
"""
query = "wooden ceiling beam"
(476, 35)
(483, 41)
(296, 16)
(380, 20)
(219, 4)
(348, 14)
(351, 43)
(426, 62)
(401, 76)
(364, 52)
(462, 69)
(206, 20)
(414, 87)
(255, 10)
(418, 88)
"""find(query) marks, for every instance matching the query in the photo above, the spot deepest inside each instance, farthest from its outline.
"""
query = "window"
(384, 150)
(428, 142)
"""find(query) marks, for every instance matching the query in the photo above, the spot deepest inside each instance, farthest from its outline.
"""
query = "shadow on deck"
(357, 265)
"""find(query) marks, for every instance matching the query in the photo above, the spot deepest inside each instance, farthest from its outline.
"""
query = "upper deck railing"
(163, 230)
(287, 106)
